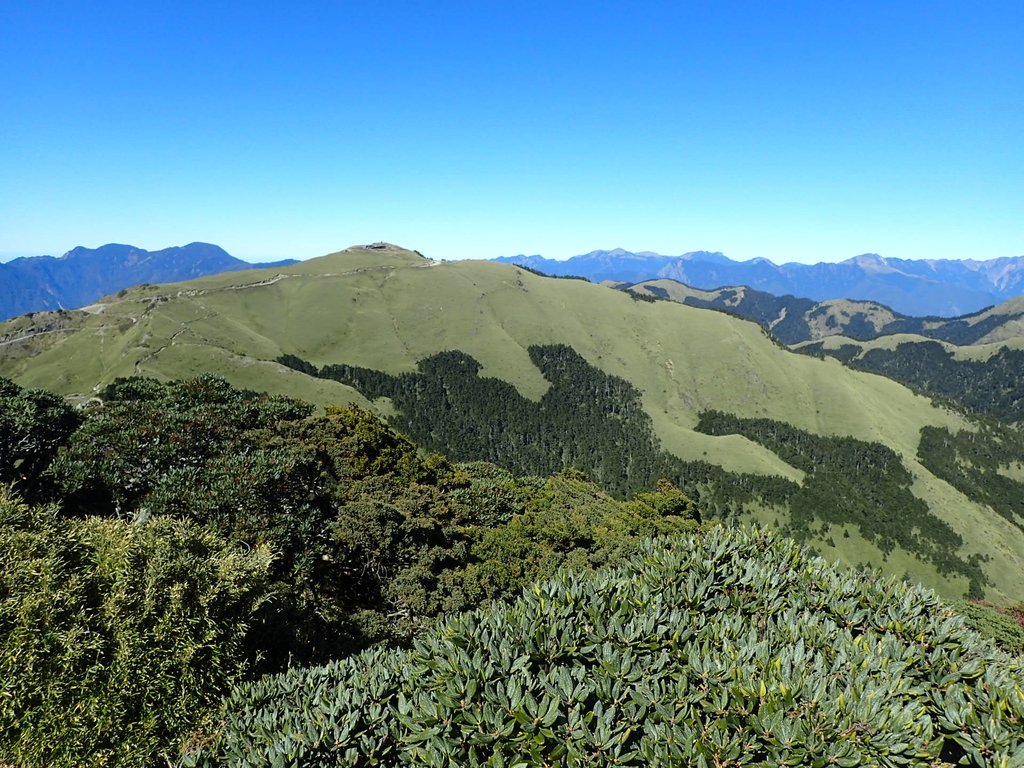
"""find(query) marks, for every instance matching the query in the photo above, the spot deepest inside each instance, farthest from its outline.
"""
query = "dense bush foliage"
(33, 425)
(116, 639)
(730, 649)
(1004, 626)
(358, 539)
(370, 540)
(203, 451)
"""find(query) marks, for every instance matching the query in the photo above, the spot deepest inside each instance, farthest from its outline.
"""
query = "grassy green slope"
(677, 291)
(1010, 329)
(835, 314)
(386, 309)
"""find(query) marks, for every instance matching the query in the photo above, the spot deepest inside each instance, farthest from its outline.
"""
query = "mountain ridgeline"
(83, 275)
(538, 374)
(926, 287)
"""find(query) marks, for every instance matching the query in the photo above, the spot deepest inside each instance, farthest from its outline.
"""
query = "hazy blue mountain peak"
(82, 275)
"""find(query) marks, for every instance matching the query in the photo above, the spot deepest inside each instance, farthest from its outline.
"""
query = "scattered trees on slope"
(980, 464)
(856, 482)
(587, 420)
(992, 386)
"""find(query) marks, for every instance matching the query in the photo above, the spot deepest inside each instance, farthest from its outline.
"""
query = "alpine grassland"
(387, 309)
(972, 361)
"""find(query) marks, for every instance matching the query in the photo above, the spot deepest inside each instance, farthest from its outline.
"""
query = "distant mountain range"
(929, 287)
(83, 275)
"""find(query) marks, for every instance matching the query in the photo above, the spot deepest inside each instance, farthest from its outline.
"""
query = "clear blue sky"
(808, 131)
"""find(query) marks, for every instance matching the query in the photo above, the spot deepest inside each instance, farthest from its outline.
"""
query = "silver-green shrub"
(731, 648)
